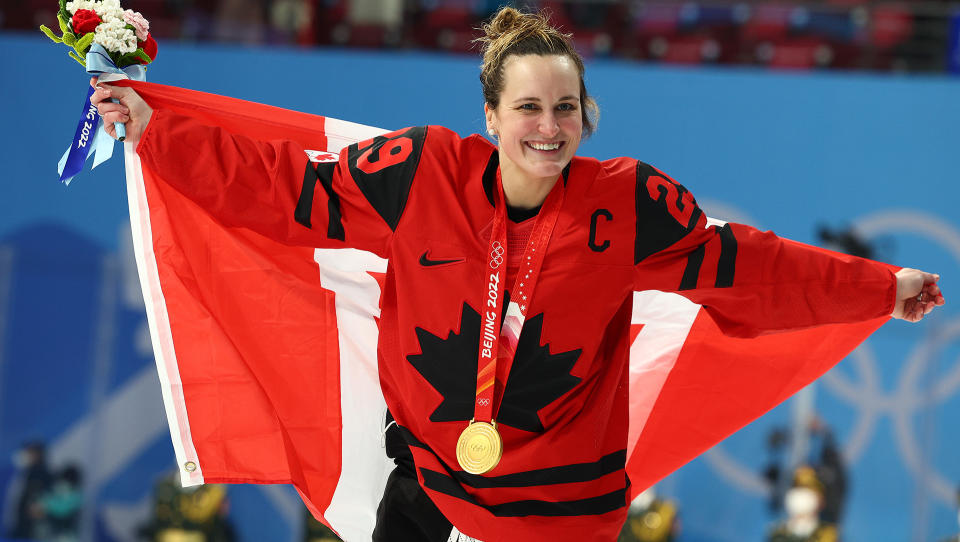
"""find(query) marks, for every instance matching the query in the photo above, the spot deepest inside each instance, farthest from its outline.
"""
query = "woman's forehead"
(536, 75)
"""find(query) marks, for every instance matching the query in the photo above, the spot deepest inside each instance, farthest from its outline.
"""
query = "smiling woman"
(554, 333)
(536, 102)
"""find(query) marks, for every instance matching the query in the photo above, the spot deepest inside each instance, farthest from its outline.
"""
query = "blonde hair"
(511, 32)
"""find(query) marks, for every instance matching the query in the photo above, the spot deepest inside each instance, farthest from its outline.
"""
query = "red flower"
(149, 46)
(84, 21)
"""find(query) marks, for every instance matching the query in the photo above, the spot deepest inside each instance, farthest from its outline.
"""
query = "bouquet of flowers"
(124, 34)
(111, 43)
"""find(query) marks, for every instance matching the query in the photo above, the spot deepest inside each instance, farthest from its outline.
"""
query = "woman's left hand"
(917, 294)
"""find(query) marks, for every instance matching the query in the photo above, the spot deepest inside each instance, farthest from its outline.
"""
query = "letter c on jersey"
(592, 241)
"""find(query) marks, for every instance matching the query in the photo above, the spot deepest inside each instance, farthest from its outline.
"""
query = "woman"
(498, 434)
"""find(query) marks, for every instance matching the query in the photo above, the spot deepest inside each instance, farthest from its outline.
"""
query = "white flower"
(115, 36)
(108, 10)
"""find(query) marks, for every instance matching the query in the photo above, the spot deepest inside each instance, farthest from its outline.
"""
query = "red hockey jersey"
(633, 265)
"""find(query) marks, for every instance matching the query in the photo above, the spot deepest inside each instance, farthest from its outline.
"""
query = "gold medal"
(479, 447)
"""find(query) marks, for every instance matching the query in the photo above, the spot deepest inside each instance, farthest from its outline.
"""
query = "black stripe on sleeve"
(322, 172)
(692, 272)
(325, 172)
(305, 203)
(727, 265)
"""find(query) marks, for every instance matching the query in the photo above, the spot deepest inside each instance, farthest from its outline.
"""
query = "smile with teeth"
(544, 146)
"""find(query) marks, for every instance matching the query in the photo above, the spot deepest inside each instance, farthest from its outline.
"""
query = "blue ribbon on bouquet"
(91, 139)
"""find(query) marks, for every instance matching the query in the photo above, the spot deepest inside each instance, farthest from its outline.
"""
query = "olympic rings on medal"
(496, 255)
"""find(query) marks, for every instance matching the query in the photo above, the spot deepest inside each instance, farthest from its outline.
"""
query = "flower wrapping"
(105, 39)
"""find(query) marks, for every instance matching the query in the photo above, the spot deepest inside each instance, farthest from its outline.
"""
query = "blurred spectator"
(845, 240)
(60, 507)
(289, 19)
(650, 519)
(826, 460)
(318, 532)
(194, 514)
(30, 482)
(240, 21)
(803, 503)
(387, 13)
(777, 441)
(830, 470)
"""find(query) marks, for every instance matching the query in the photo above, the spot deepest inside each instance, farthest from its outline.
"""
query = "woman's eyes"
(560, 107)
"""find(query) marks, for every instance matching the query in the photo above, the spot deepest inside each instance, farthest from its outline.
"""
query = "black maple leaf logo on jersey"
(537, 377)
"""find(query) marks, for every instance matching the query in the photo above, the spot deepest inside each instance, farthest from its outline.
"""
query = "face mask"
(801, 501)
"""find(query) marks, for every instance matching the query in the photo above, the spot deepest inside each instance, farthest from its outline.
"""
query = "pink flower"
(139, 24)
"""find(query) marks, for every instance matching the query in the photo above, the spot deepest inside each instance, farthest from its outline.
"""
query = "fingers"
(929, 278)
(104, 93)
(931, 294)
(109, 110)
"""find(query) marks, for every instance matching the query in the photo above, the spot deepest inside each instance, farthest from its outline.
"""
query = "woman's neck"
(522, 192)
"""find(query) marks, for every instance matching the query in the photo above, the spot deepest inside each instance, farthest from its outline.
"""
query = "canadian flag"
(267, 353)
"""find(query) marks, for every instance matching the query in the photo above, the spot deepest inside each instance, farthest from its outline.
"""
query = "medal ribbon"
(499, 345)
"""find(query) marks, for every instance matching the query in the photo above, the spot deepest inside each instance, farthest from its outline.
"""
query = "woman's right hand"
(131, 111)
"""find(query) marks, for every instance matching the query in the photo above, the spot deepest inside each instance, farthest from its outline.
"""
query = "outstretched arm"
(753, 282)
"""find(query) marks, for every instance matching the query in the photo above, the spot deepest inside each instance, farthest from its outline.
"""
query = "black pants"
(406, 513)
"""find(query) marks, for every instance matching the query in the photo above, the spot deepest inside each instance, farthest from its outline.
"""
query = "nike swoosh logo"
(426, 262)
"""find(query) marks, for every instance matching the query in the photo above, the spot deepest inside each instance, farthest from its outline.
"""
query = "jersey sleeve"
(750, 282)
(280, 190)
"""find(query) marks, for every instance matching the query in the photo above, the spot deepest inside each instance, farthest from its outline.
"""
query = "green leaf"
(64, 27)
(69, 39)
(83, 44)
(78, 59)
(140, 53)
(63, 5)
(128, 59)
(50, 34)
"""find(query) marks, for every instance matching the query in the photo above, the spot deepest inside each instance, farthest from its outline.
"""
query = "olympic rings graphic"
(496, 255)
(868, 396)
(483, 401)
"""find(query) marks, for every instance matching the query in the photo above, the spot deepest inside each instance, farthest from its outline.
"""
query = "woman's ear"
(491, 120)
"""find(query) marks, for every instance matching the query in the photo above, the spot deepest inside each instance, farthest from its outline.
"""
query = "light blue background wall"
(781, 151)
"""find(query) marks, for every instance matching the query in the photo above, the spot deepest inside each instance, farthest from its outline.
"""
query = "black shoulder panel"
(666, 211)
(384, 167)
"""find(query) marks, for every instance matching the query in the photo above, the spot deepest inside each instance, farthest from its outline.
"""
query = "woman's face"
(538, 122)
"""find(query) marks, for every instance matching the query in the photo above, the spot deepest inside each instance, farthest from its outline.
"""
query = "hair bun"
(505, 20)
